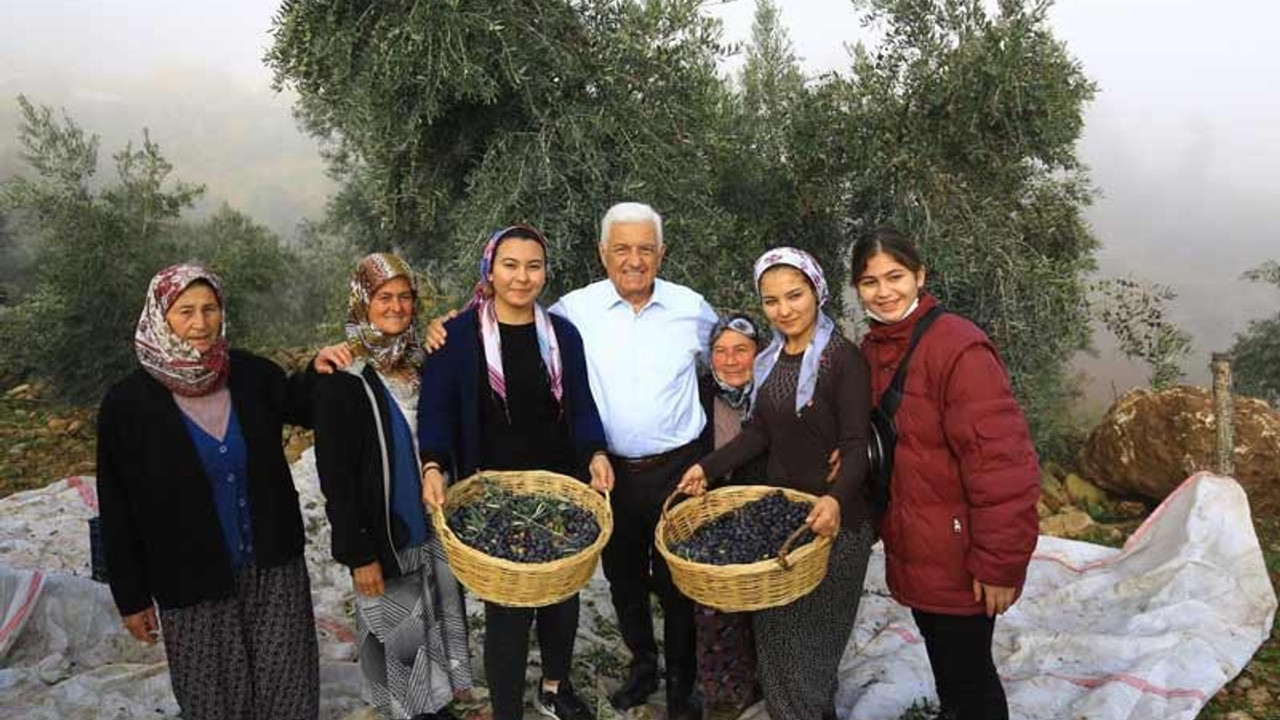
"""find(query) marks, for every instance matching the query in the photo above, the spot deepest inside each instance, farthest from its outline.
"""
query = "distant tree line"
(79, 253)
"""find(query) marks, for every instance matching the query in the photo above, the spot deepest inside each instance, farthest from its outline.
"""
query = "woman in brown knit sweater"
(812, 396)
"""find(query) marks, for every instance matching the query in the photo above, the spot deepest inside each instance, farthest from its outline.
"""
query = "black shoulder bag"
(884, 432)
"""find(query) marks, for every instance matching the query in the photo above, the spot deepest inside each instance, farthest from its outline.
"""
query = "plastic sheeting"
(1150, 631)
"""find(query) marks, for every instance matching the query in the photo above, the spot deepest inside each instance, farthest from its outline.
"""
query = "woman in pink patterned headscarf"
(812, 395)
(199, 513)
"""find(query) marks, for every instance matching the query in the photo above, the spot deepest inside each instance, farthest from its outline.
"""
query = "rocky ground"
(42, 440)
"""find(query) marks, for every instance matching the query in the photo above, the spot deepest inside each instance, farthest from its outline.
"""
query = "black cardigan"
(160, 529)
(350, 455)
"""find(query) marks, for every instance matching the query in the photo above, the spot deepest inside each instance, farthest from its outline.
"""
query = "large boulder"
(1150, 441)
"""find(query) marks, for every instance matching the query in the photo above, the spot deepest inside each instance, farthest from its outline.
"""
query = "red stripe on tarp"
(37, 581)
(336, 628)
(87, 492)
(1137, 683)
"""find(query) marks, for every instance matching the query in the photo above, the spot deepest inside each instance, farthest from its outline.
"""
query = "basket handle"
(666, 505)
(786, 546)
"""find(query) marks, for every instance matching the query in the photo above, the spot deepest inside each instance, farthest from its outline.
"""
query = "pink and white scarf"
(490, 333)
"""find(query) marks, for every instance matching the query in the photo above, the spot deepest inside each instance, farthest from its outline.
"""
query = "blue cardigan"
(449, 406)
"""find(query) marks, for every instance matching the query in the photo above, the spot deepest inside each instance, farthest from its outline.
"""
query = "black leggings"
(506, 650)
(959, 648)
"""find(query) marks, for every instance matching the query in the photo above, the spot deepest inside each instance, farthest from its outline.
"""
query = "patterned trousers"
(413, 638)
(253, 656)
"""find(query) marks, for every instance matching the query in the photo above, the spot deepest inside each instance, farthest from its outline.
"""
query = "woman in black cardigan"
(199, 512)
(409, 614)
(510, 392)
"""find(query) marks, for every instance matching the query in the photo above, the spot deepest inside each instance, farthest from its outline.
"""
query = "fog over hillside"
(1183, 140)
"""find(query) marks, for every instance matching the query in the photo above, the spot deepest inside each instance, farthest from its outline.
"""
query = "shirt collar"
(659, 296)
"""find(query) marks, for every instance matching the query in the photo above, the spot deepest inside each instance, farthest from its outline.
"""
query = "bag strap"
(892, 397)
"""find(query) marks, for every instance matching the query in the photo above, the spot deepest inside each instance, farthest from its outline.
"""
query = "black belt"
(649, 462)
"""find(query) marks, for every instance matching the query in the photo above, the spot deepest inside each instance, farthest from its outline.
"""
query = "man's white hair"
(630, 212)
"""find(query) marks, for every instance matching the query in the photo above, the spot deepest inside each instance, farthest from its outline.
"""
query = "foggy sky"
(1183, 140)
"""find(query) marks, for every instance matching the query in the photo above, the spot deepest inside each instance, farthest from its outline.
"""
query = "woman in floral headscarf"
(811, 396)
(199, 513)
(410, 620)
(510, 392)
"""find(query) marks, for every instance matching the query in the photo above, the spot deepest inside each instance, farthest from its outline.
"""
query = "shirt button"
(231, 477)
(243, 502)
(222, 449)
(241, 547)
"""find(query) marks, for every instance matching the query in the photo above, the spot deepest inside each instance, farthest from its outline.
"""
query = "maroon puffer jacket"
(965, 476)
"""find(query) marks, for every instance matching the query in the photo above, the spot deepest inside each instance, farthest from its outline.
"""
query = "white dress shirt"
(643, 365)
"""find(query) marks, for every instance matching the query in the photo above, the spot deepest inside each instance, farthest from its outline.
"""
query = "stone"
(57, 424)
(1237, 715)
(298, 444)
(1258, 698)
(1149, 442)
(75, 427)
(18, 390)
(1042, 510)
(1243, 683)
(1127, 509)
(1070, 523)
(1082, 492)
(1052, 491)
(1054, 469)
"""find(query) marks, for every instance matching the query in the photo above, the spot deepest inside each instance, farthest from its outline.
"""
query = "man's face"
(631, 256)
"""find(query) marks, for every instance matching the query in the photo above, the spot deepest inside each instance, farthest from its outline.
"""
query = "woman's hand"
(432, 486)
(998, 598)
(368, 580)
(601, 473)
(436, 334)
(824, 518)
(143, 625)
(333, 358)
(694, 481)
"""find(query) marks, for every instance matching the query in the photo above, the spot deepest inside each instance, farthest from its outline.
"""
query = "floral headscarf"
(805, 263)
(176, 363)
(491, 335)
(738, 398)
(386, 353)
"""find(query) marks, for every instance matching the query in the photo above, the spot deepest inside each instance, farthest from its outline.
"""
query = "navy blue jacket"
(449, 407)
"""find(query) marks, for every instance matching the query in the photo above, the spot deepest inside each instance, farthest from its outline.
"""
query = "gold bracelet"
(430, 465)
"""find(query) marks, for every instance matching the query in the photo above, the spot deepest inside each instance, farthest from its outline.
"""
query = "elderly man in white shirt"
(642, 338)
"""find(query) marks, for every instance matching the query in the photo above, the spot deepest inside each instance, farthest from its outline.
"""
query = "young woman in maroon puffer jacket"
(961, 524)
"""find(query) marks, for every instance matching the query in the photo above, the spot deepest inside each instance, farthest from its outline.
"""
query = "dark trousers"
(506, 650)
(959, 648)
(635, 569)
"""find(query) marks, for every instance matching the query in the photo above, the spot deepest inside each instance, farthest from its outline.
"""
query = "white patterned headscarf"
(176, 363)
(386, 353)
(806, 264)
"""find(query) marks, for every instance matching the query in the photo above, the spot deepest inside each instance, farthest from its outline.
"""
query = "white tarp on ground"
(1150, 631)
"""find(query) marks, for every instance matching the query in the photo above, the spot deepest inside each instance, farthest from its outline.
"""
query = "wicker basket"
(739, 588)
(514, 583)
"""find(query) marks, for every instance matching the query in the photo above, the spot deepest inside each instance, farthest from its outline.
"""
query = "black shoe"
(561, 704)
(641, 683)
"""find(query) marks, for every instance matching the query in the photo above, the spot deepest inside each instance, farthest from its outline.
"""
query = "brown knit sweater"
(799, 444)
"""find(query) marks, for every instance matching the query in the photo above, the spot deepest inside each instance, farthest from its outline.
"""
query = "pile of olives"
(523, 527)
(749, 533)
